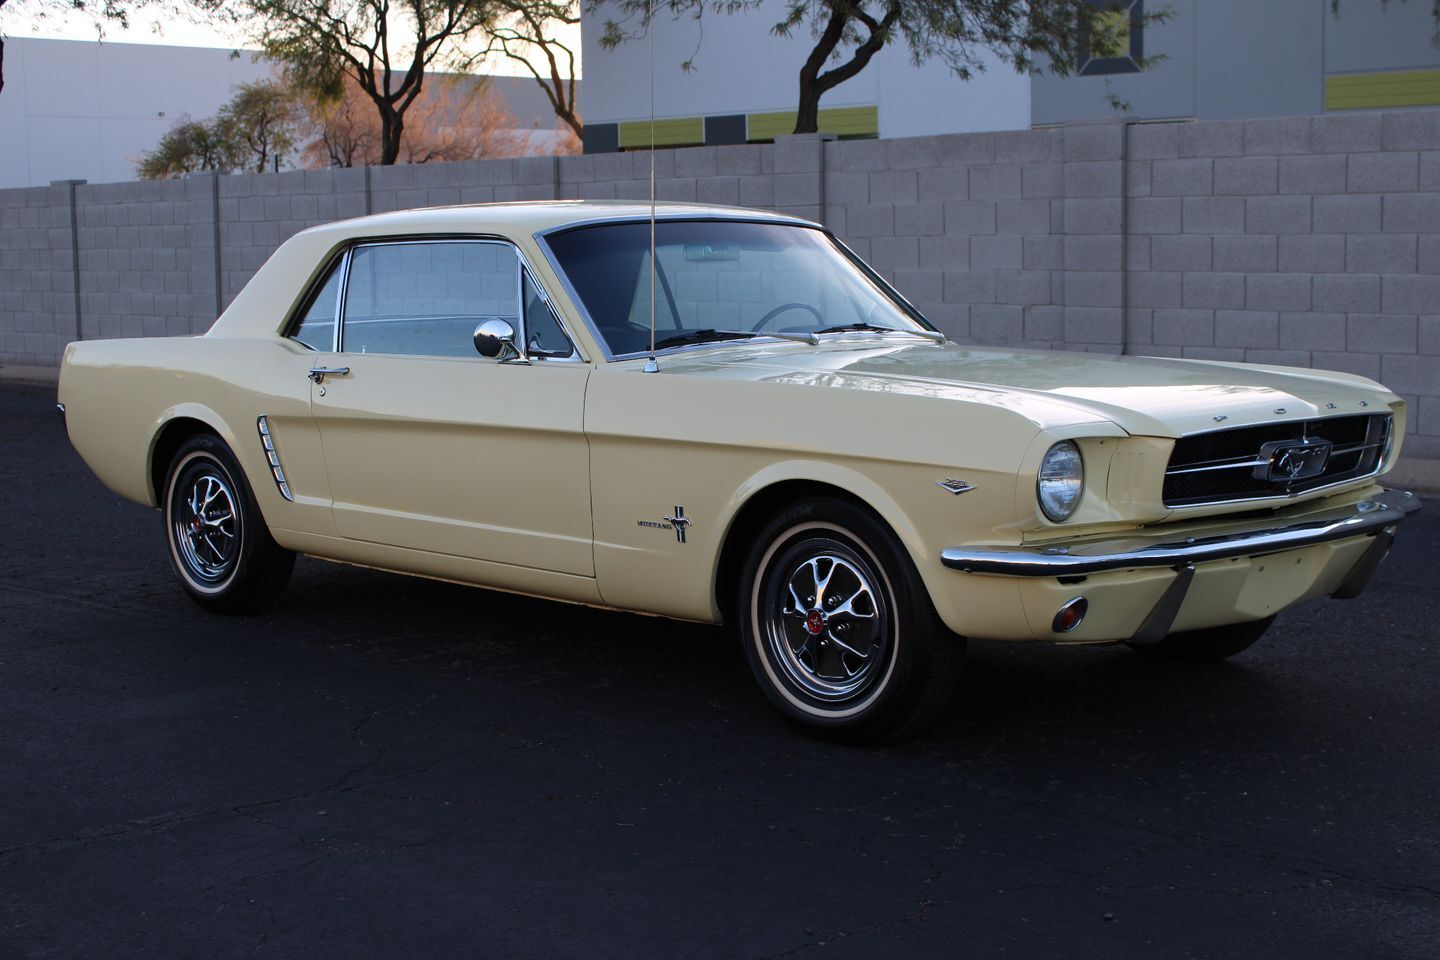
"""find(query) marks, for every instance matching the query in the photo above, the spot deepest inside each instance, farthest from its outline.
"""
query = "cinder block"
(870, 221)
(1430, 335)
(1383, 172)
(1154, 215)
(996, 253)
(856, 156)
(1096, 178)
(1361, 364)
(1346, 294)
(893, 186)
(1345, 133)
(997, 323)
(913, 153)
(1411, 130)
(1346, 214)
(1278, 291)
(1381, 253)
(1408, 373)
(1214, 214)
(1044, 253)
(1312, 331)
(1227, 354)
(1418, 213)
(970, 286)
(1022, 216)
(943, 183)
(1183, 254)
(843, 189)
(1023, 286)
(995, 183)
(1153, 290)
(1093, 216)
(1094, 325)
(1245, 176)
(1410, 294)
(960, 148)
(919, 219)
(1101, 251)
(1092, 288)
(967, 217)
(1182, 178)
(1312, 174)
(1042, 180)
(1275, 136)
(1430, 171)
(1247, 328)
(1213, 291)
(945, 253)
(1277, 215)
(1312, 253)
(1222, 138)
(1154, 141)
(795, 189)
(921, 286)
(1029, 146)
(1045, 322)
(695, 162)
(741, 160)
(1137, 178)
(1137, 253)
(1094, 141)
(953, 320)
(1369, 333)
(757, 191)
(722, 190)
(1277, 358)
(892, 253)
(1245, 253)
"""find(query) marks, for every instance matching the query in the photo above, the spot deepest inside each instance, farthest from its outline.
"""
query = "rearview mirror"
(496, 338)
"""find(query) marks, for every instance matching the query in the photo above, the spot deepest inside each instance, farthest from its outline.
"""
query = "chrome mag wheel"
(826, 620)
(205, 519)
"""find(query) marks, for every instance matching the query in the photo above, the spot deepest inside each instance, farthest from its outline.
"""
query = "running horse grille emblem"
(680, 522)
(1286, 461)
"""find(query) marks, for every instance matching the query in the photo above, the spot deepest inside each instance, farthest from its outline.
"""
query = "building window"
(1113, 40)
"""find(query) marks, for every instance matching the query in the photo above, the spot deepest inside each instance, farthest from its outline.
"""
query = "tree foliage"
(526, 30)
(383, 47)
(260, 125)
(1028, 35)
(188, 147)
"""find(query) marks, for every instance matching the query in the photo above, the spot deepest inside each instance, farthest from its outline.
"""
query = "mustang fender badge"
(956, 487)
(679, 523)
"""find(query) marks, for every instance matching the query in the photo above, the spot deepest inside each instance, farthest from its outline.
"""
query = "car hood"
(1149, 396)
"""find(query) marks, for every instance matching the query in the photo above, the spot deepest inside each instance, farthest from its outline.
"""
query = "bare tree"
(527, 29)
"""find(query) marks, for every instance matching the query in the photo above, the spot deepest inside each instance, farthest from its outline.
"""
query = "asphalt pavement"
(382, 766)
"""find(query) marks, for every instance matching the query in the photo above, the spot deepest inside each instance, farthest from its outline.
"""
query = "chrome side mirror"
(496, 338)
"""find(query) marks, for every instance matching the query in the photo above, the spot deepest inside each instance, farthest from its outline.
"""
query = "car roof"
(532, 217)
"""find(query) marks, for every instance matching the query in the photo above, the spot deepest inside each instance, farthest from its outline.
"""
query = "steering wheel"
(788, 306)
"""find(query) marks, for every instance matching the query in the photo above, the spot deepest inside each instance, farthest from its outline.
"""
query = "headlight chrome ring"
(1061, 481)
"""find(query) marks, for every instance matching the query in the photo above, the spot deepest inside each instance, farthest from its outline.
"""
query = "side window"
(317, 324)
(425, 298)
(543, 335)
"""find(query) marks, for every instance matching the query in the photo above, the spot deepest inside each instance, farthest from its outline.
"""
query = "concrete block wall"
(1306, 241)
(1310, 241)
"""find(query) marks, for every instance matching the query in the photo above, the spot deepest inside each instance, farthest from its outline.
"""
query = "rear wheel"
(220, 548)
(1215, 643)
(838, 629)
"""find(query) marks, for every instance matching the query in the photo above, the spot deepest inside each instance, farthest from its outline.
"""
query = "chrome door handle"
(318, 374)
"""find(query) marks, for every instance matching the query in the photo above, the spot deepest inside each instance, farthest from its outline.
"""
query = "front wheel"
(220, 548)
(1216, 643)
(838, 629)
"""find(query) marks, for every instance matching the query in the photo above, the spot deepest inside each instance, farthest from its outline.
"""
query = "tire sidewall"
(202, 452)
(879, 702)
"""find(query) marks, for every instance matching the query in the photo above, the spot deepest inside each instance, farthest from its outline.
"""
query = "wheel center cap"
(815, 622)
(196, 524)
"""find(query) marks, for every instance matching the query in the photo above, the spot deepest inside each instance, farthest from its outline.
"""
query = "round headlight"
(1062, 477)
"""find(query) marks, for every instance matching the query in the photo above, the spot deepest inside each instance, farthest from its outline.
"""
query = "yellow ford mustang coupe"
(468, 394)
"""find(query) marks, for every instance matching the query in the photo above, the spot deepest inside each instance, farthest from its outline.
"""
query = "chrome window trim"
(542, 241)
(523, 265)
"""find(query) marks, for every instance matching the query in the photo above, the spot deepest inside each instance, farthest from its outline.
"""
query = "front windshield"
(720, 278)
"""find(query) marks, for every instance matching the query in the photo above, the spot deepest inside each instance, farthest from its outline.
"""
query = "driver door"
(430, 446)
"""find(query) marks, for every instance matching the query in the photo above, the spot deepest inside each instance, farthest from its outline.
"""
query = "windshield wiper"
(935, 335)
(714, 336)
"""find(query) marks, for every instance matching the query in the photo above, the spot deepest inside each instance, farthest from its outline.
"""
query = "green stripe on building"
(679, 132)
(1391, 88)
(843, 121)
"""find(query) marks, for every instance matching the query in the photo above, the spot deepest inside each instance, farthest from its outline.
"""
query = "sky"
(155, 27)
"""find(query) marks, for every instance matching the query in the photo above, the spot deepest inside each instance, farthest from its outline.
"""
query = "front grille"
(1225, 465)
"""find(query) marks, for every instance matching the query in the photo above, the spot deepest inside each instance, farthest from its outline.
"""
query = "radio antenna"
(651, 365)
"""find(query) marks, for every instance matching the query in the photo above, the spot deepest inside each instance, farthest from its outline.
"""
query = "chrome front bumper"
(1376, 516)
(1096, 556)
